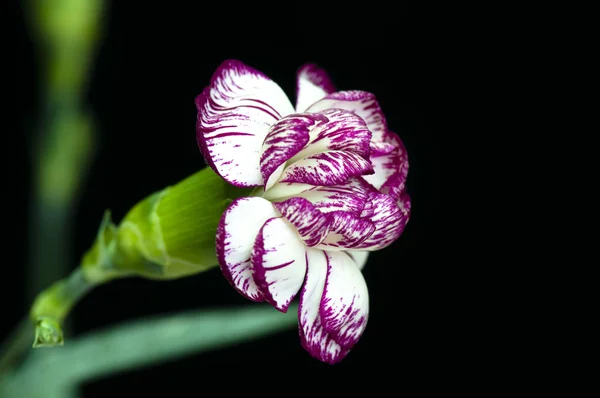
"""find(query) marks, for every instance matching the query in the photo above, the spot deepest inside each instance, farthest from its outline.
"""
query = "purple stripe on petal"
(236, 233)
(314, 338)
(235, 113)
(385, 143)
(327, 168)
(346, 231)
(312, 84)
(279, 262)
(391, 169)
(342, 131)
(344, 307)
(311, 224)
(389, 216)
(380, 148)
(351, 195)
(360, 102)
(395, 184)
(285, 138)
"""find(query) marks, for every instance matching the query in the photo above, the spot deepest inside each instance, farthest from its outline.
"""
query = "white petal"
(313, 336)
(327, 168)
(391, 168)
(342, 131)
(284, 190)
(312, 84)
(279, 262)
(352, 195)
(345, 231)
(310, 223)
(235, 239)
(390, 217)
(384, 166)
(360, 257)
(334, 305)
(235, 113)
(285, 139)
(362, 103)
(345, 304)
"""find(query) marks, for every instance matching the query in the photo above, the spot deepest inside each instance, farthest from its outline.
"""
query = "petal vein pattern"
(235, 240)
(285, 139)
(344, 307)
(312, 225)
(340, 131)
(388, 216)
(334, 305)
(235, 113)
(279, 262)
(312, 84)
(327, 168)
(391, 169)
(346, 231)
(362, 103)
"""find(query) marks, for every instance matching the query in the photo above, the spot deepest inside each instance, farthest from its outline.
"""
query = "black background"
(154, 59)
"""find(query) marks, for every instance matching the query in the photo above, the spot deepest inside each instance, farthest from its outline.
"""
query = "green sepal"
(168, 235)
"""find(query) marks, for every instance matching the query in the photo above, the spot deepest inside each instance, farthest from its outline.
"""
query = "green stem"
(15, 345)
(52, 306)
(66, 32)
(50, 228)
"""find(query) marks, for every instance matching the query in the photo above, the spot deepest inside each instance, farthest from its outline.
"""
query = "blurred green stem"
(14, 346)
(65, 33)
(62, 157)
(49, 243)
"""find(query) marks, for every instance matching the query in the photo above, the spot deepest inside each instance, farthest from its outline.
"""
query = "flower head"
(333, 189)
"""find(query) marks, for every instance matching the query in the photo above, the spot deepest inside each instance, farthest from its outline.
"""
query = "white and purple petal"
(360, 257)
(313, 337)
(312, 84)
(391, 169)
(235, 113)
(341, 131)
(351, 196)
(327, 168)
(278, 262)
(312, 225)
(383, 144)
(362, 103)
(285, 139)
(389, 216)
(344, 306)
(236, 234)
(285, 190)
(379, 148)
(334, 305)
(346, 231)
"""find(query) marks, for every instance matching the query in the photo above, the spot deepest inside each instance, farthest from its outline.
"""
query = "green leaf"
(141, 343)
